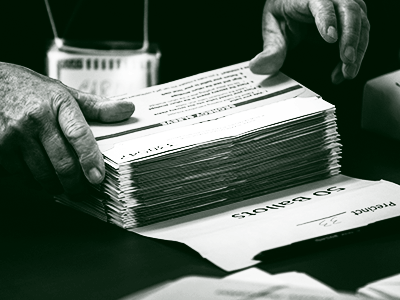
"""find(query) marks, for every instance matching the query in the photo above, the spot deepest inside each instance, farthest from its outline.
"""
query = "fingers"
(351, 70)
(45, 166)
(44, 134)
(62, 162)
(271, 59)
(324, 14)
(343, 20)
(354, 39)
(350, 31)
(353, 26)
(43, 157)
(79, 136)
(102, 109)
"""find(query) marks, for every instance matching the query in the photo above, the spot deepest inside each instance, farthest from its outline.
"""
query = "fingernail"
(332, 32)
(126, 108)
(95, 176)
(350, 53)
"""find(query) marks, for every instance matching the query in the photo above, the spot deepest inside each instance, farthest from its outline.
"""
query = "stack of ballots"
(209, 140)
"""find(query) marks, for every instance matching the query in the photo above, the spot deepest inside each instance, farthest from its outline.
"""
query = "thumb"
(271, 59)
(102, 109)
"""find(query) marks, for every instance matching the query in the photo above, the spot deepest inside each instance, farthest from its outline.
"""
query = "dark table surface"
(49, 251)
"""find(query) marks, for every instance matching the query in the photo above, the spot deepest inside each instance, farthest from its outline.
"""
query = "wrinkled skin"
(43, 131)
(285, 22)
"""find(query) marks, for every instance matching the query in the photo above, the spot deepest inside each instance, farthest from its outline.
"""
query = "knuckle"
(65, 167)
(352, 20)
(76, 131)
(37, 113)
(77, 94)
(326, 10)
(88, 157)
(326, 15)
(350, 37)
(80, 135)
(362, 4)
(352, 7)
(361, 51)
(94, 108)
(60, 97)
(30, 121)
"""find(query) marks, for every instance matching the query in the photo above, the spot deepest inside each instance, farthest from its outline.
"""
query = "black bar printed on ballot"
(284, 91)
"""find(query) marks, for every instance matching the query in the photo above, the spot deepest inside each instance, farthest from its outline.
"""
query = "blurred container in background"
(105, 67)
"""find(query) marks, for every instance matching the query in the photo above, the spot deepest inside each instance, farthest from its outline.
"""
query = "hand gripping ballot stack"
(210, 140)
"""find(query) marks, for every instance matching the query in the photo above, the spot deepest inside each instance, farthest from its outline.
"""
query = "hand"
(284, 25)
(43, 129)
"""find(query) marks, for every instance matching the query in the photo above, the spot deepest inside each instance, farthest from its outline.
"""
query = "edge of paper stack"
(210, 140)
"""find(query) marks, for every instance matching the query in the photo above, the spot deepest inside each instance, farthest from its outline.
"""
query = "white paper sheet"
(386, 289)
(232, 235)
(292, 279)
(222, 128)
(196, 99)
(187, 110)
(199, 288)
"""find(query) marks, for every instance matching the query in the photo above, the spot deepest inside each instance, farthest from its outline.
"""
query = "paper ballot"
(231, 164)
(203, 97)
(231, 236)
(211, 140)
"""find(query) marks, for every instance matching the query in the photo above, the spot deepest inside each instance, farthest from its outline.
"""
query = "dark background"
(197, 36)
(48, 251)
